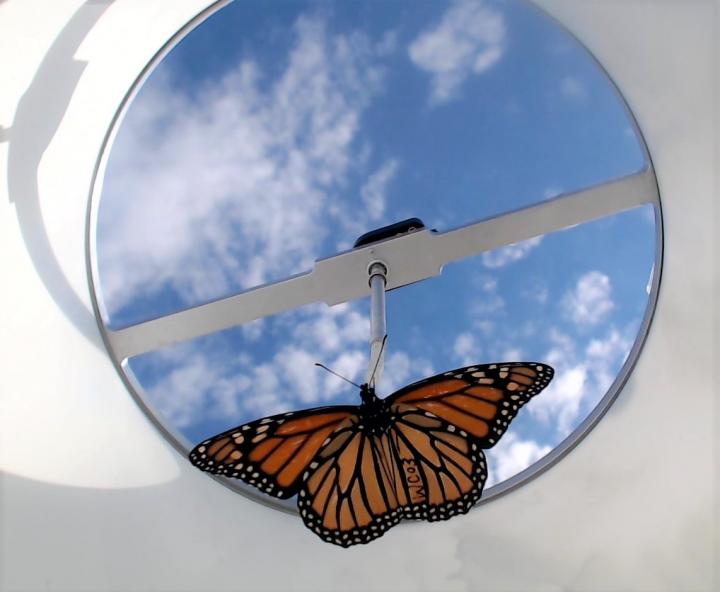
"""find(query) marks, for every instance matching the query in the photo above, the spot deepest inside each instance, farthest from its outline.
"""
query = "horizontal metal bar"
(410, 258)
(548, 216)
(214, 316)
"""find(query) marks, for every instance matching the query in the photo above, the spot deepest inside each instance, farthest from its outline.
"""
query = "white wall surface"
(93, 498)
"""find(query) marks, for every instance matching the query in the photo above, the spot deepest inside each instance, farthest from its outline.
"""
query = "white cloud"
(194, 386)
(337, 336)
(327, 329)
(395, 373)
(537, 291)
(350, 364)
(512, 455)
(297, 366)
(253, 330)
(563, 346)
(225, 190)
(559, 403)
(374, 191)
(199, 382)
(485, 326)
(487, 300)
(469, 39)
(573, 89)
(582, 377)
(512, 354)
(466, 349)
(510, 254)
(604, 354)
(266, 397)
(401, 369)
(591, 299)
(486, 283)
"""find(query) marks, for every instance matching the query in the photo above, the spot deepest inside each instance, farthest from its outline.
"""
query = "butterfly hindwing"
(481, 400)
(440, 469)
(348, 495)
(271, 453)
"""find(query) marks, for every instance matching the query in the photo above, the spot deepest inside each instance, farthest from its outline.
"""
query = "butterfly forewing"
(480, 400)
(271, 453)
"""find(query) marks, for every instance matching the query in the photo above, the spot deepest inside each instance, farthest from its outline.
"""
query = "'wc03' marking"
(414, 481)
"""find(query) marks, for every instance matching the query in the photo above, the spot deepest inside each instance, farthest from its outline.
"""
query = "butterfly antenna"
(336, 374)
(377, 362)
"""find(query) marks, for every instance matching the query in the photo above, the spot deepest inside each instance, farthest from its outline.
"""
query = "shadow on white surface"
(39, 114)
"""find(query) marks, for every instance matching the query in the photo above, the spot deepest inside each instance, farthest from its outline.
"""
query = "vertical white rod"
(378, 329)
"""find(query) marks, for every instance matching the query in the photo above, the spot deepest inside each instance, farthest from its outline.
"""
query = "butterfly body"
(374, 413)
(357, 470)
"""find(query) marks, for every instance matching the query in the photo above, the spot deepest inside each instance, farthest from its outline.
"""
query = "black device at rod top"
(397, 229)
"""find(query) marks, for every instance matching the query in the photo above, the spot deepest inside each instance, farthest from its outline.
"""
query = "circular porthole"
(268, 136)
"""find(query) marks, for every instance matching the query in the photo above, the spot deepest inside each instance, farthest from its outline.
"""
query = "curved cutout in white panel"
(271, 137)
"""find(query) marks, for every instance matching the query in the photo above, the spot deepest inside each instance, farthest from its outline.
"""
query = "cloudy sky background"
(278, 132)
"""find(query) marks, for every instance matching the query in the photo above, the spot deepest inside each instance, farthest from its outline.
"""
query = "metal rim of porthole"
(342, 277)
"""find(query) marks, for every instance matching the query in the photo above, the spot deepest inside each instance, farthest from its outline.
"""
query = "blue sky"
(278, 132)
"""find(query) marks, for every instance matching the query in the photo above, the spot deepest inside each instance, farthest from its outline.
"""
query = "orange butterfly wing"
(271, 453)
(440, 471)
(356, 481)
(348, 494)
(363, 481)
(479, 400)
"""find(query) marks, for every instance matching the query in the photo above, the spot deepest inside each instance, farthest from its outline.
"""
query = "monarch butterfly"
(359, 469)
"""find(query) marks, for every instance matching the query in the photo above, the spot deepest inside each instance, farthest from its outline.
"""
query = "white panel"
(94, 499)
